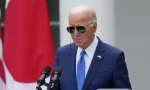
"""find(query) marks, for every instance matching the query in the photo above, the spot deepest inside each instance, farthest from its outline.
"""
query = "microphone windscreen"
(46, 70)
(58, 70)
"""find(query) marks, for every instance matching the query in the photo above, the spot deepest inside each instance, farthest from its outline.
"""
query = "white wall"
(133, 36)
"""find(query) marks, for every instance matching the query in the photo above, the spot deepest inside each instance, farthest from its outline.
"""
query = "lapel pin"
(99, 56)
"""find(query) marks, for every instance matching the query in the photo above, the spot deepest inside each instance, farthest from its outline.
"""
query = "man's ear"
(94, 27)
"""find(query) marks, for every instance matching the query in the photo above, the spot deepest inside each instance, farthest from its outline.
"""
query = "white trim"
(2, 24)
(52, 23)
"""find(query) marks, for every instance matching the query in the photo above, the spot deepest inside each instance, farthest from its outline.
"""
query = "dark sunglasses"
(80, 29)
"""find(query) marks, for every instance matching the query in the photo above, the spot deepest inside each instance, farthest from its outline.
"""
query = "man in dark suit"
(89, 63)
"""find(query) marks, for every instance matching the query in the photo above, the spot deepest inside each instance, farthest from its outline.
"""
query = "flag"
(2, 73)
(28, 45)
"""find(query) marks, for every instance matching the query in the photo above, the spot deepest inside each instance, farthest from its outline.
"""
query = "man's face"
(82, 40)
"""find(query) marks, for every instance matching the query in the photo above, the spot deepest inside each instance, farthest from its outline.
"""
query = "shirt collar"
(90, 49)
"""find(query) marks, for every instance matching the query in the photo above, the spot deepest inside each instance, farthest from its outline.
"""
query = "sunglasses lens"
(81, 29)
(70, 29)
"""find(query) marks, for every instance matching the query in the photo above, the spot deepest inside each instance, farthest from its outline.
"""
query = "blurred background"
(121, 23)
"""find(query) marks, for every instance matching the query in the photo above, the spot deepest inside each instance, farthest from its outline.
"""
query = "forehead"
(79, 17)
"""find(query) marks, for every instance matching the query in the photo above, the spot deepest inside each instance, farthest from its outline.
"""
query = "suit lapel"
(72, 64)
(95, 64)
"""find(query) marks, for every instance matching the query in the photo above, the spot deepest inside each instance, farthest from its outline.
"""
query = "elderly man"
(88, 63)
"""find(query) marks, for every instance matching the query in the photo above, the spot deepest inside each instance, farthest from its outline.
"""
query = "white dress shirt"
(88, 56)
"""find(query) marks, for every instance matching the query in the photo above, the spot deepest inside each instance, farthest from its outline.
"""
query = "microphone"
(44, 74)
(54, 80)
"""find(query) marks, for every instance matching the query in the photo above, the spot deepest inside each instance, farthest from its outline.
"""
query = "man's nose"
(76, 32)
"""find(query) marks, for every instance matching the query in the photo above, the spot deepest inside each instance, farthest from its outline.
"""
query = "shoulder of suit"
(67, 47)
(112, 49)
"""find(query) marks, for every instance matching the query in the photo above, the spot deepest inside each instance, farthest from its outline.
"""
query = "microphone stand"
(53, 84)
(42, 82)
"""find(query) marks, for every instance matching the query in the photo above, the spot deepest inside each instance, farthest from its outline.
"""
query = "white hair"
(92, 15)
(83, 8)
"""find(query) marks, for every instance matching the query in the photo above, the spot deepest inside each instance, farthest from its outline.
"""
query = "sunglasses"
(80, 29)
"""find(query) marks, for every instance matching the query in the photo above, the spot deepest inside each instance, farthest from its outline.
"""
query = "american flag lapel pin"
(99, 56)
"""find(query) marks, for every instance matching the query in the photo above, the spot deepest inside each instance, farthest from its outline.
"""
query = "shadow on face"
(81, 18)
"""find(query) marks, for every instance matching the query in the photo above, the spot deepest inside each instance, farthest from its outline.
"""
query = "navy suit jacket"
(109, 71)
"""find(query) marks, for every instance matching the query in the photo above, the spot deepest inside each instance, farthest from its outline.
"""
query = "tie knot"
(82, 53)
